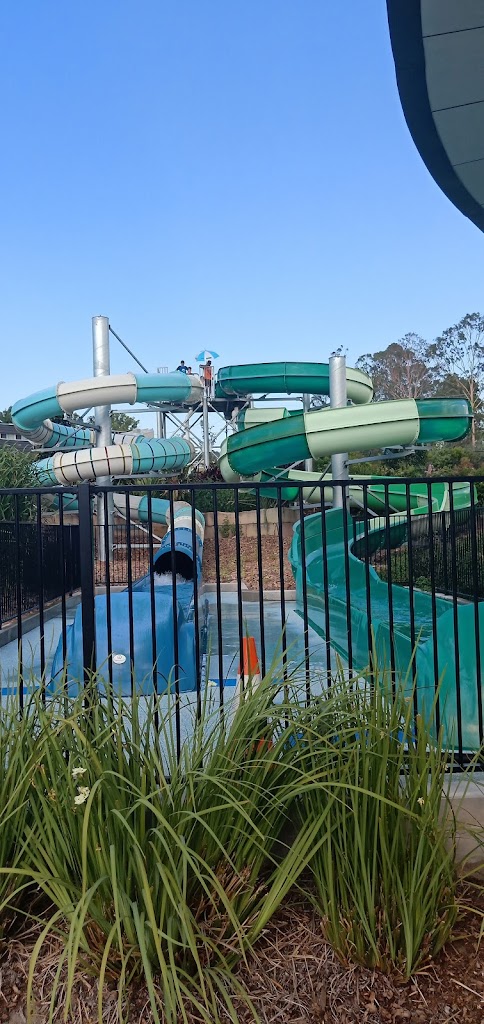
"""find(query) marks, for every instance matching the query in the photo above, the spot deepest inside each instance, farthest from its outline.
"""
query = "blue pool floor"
(273, 628)
(250, 625)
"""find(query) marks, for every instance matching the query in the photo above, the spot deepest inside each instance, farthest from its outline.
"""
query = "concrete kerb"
(467, 802)
(250, 595)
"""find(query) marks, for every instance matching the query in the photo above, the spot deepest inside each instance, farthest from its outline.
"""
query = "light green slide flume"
(76, 454)
(270, 439)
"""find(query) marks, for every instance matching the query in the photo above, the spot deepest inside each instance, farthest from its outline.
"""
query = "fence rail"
(355, 584)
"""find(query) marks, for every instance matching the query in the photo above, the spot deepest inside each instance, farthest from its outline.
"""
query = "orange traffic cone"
(248, 675)
(248, 679)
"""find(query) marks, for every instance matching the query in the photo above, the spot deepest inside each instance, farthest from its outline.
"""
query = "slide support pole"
(102, 419)
(206, 435)
(308, 463)
(338, 400)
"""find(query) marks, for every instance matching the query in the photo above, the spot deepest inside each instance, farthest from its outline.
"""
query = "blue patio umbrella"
(206, 354)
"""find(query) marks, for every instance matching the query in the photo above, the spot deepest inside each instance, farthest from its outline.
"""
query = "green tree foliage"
(16, 471)
(6, 415)
(402, 370)
(458, 355)
(122, 423)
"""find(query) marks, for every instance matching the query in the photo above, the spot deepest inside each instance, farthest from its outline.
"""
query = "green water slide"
(270, 440)
(445, 637)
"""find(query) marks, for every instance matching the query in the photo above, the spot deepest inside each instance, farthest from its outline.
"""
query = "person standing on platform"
(182, 368)
(208, 375)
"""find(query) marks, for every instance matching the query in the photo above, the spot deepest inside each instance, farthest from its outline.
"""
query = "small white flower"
(421, 801)
(83, 793)
(76, 772)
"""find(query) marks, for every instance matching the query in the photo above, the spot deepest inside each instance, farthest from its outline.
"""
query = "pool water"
(250, 626)
(9, 654)
(274, 631)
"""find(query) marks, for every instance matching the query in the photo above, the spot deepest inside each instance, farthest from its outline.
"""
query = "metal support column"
(160, 415)
(160, 423)
(205, 429)
(338, 400)
(308, 463)
(102, 419)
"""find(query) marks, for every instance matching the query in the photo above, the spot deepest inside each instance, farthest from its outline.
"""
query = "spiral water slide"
(78, 458)
(443, 638)
(265, 441)
(269, 439)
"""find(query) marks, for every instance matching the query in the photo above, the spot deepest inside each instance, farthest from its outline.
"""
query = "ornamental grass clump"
(164, 860)
(20, 770)
(166, 867)
(385, 871)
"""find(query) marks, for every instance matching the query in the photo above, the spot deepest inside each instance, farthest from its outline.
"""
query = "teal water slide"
(269, 439)
(405, 622)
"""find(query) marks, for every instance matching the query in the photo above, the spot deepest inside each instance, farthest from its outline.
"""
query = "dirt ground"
(293, 977)
(271, 572)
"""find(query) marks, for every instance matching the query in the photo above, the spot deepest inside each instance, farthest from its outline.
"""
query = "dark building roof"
(438, 48)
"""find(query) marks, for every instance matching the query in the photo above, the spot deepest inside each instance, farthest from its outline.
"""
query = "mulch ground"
(271, 573)
(293, 977)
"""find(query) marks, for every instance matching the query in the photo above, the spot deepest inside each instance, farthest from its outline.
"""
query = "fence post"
(87, 581)
(445, 568)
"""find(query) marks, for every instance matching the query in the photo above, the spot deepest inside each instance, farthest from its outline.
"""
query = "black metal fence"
(38, 563)
(442, 541)
(349, 591)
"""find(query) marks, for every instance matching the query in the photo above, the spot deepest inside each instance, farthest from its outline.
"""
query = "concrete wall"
(269, 519)
(226, 521)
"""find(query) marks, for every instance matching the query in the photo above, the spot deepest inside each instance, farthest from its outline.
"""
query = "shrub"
(16, 471)
(167, 880)
(384, 870)
(20, 770)
(165, 864)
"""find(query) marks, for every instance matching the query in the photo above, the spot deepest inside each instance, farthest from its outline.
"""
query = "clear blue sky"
(230, 174)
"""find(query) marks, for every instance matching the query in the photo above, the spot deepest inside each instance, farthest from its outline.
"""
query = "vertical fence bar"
(129, 574)
(388, 547)
(218, 598)
(87, 582)
(154, 653)
(62, 557)
(108, 552)
(176, 656)
(196, 622)
(304, 596)
(455, 606)
(435, 646)
(327, 621)
(40, 561)
(411, 595)
(367, 575)
(445, 559)
(18, 579)
(281, 581)
(261, 582)
(238, 564)
(346, 541)
(475, 589)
